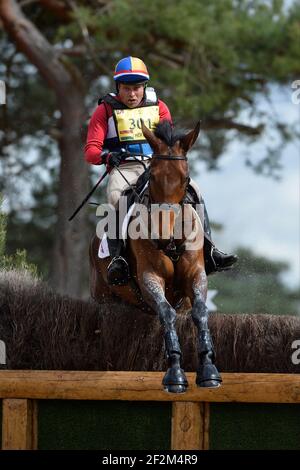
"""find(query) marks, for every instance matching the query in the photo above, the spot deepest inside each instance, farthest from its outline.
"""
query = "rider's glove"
(112, 159)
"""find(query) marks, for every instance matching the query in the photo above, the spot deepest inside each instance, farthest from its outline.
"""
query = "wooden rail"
(20, 391)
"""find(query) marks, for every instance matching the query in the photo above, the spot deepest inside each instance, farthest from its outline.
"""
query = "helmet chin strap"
(145, 86)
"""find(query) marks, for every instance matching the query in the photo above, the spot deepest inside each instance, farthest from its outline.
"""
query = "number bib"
(128, 122)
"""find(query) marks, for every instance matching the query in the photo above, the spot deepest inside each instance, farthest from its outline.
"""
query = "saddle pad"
(103, 251)
(132, 205)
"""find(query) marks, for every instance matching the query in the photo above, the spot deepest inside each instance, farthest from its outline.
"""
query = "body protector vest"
(124, 126)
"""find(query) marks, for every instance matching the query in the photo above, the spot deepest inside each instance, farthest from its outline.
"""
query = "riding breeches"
(117, 184)
(131, 171)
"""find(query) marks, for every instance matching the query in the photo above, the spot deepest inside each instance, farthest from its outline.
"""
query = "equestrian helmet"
(131, 70)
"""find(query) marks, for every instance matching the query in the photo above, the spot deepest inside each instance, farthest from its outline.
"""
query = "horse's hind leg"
(174, 380)
(207, 373)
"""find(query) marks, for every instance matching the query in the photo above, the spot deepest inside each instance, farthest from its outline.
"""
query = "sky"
(256, 211)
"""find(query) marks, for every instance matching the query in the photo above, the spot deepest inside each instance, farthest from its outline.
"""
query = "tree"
(255, 286)
(207, 59)
(65, 80)
(17, 260)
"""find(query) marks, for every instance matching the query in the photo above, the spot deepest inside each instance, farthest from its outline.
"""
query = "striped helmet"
(131, 70)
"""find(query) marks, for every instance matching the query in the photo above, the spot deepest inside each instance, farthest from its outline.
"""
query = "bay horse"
(158, 276)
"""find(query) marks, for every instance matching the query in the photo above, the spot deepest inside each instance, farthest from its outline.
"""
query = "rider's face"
(131, 95)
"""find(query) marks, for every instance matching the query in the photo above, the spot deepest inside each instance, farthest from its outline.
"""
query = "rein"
(168, 157)
(156, 156)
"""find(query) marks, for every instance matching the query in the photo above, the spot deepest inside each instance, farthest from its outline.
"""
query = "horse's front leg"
(152, 288)
(207, 373)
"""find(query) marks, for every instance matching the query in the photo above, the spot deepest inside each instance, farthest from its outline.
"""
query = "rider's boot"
(215, 260)
(118, 269)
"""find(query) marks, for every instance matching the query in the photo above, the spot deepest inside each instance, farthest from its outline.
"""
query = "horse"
(164, 270)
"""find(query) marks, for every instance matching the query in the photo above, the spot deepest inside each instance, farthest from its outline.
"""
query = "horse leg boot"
(215, 259)
(207, 373)
(117, 270)
(175, 380)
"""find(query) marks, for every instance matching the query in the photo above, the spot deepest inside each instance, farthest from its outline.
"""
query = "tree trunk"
(70, 260)
(71, 238)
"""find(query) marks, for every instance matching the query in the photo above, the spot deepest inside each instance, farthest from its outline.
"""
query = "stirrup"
(118, 272)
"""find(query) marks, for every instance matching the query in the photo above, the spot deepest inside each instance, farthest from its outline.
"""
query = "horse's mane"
(166, 132)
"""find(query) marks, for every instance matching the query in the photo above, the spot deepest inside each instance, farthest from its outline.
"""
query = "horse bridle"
(159, 157)
(172, 157)
(169, 157)
(171, 249)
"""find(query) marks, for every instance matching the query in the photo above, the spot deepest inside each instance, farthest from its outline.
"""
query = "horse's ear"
(153, 141)
(190, 138)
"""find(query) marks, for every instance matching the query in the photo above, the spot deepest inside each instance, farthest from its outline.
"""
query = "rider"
(114, 129)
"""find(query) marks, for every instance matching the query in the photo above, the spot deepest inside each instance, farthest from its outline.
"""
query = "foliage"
(16, 261)
(33, 227)
(255, 286)
(208, 60)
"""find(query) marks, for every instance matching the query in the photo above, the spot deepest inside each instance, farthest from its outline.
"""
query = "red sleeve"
(164, 113)
(97, 131)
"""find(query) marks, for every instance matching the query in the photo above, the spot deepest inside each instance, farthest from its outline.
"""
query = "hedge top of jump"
(44, 330)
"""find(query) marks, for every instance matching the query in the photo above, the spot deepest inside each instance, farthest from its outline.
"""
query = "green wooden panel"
(104, 425)
(254, 426)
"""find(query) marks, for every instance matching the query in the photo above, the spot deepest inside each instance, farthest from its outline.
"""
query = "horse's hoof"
(175, 376)
(209, 384)
(208, 376)
(175, 380)
(179, 388)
